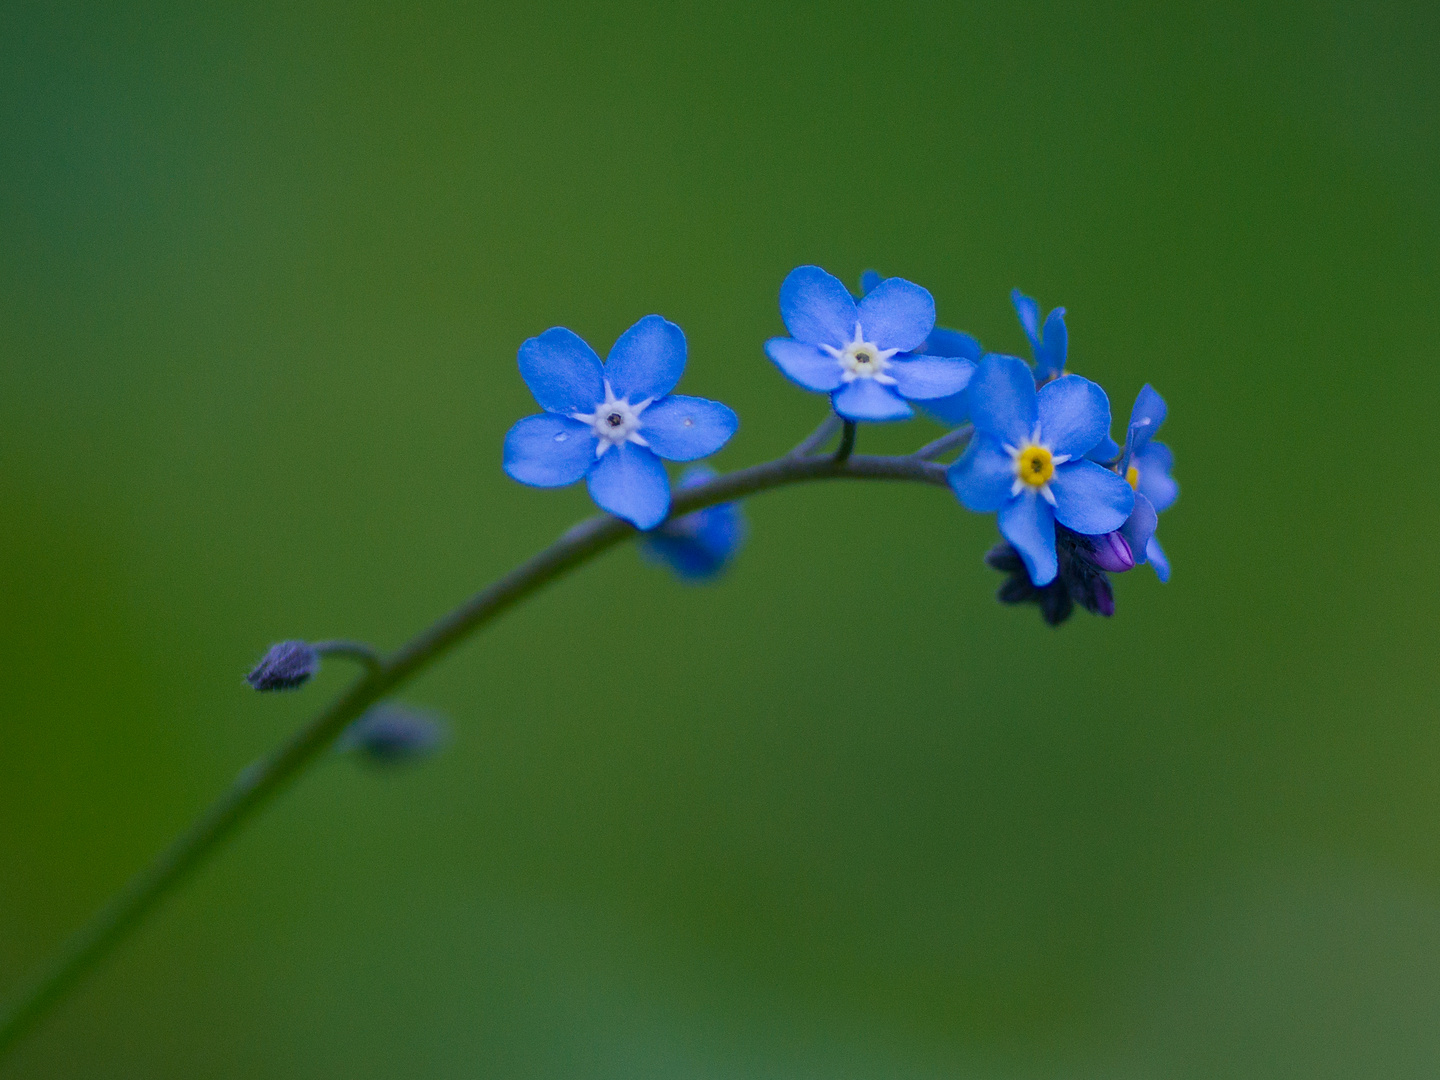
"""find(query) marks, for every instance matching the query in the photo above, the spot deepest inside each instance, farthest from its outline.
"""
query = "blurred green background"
(263, 273)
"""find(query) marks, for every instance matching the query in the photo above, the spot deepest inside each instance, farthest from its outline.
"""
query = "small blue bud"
(287, 666)
(392, 733)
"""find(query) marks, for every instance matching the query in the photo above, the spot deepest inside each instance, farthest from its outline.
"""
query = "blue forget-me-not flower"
(954, 409)
(862, 355)
(1146, 466)
(699, 546)
(1048, 343)
(1027, 460)
(613, 423)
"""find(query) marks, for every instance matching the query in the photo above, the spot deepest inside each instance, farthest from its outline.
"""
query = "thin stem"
(266, 778)
(819, 437)
(847, 443)
(951, 440)
(354, 650)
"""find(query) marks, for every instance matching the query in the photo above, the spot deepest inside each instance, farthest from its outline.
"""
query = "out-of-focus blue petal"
(562, 372)
(1107, 449)
(1054, 343)
(868, 280)
(1074, 415)
(953, 410)
(630, 482)
(983, 475)
(943, 342)
(1139, 527)
(1029, 312)
(806, 365)
(897, 314)
(647, 360)
(1090, 499)
(816, 307)
(681, 428)
(698, 546)
(1002, 398)
(546, 450)
(1146, 417)
(1029, 524)
(1157, 558)
(927, 377)
(1153, 462)
(865, 399)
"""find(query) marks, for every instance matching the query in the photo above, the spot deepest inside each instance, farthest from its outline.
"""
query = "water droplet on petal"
(562, 436)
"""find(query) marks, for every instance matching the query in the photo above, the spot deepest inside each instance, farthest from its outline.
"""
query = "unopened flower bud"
(286, 666)
(391, 733)
(1112, 552)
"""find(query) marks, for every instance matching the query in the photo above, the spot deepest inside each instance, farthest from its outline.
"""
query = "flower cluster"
(1073, 505)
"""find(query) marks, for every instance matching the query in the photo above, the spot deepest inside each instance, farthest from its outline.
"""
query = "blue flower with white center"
(1049, 343)
(956, 344)
(698, 546)
(1146, 465)
(613, 423)
(862, 354)
(1027, 460)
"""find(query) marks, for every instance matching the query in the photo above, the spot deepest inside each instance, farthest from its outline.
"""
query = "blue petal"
(1146, 417)
(868, 280)
(1029, 312)
(928, 377)
(698, 546)
(647, 360)
(953, 410)
(562, 372)
(630, 482)
(1002, 398)
(1153, 462)
(816, 307)
(1029, 524)
(1139, 527)
(942, 342)
(1074, 415)
(1107, 449)
(548, 450)
(1054, 343)
(1157, 558)
(1090, 499)
(865, 399)
(681, 428)
(805, 365)
(897, 314)
(982, 476)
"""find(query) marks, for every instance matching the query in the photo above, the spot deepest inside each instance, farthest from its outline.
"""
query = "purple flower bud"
(286, 666)
(1102, 597)
(1112, 552)
(392, 733)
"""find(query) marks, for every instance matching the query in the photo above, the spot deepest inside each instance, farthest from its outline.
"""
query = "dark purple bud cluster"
(1083, 577)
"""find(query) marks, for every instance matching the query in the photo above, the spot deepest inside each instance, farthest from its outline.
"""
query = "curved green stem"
(260, 782)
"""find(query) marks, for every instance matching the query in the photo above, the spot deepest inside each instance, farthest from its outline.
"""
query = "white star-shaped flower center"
(1034, 467)
(615, 421)
(861, 359)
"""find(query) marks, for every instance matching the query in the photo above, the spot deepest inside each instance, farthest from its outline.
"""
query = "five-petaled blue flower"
(854, 352)
(1049, 343)
(1146, 465)
(613, 423)
(1027, 460)
(698, 546)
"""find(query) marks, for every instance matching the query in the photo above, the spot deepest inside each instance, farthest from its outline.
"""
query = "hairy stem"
(847, 443)
(262, 781)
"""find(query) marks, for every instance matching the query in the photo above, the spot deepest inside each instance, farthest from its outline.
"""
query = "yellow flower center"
(1035, 466)
(1132, 476)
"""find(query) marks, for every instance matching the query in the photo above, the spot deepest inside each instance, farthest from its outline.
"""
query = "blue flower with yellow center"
(1146, 466)
(1027, 460)
(613, 423)
(863, 355)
